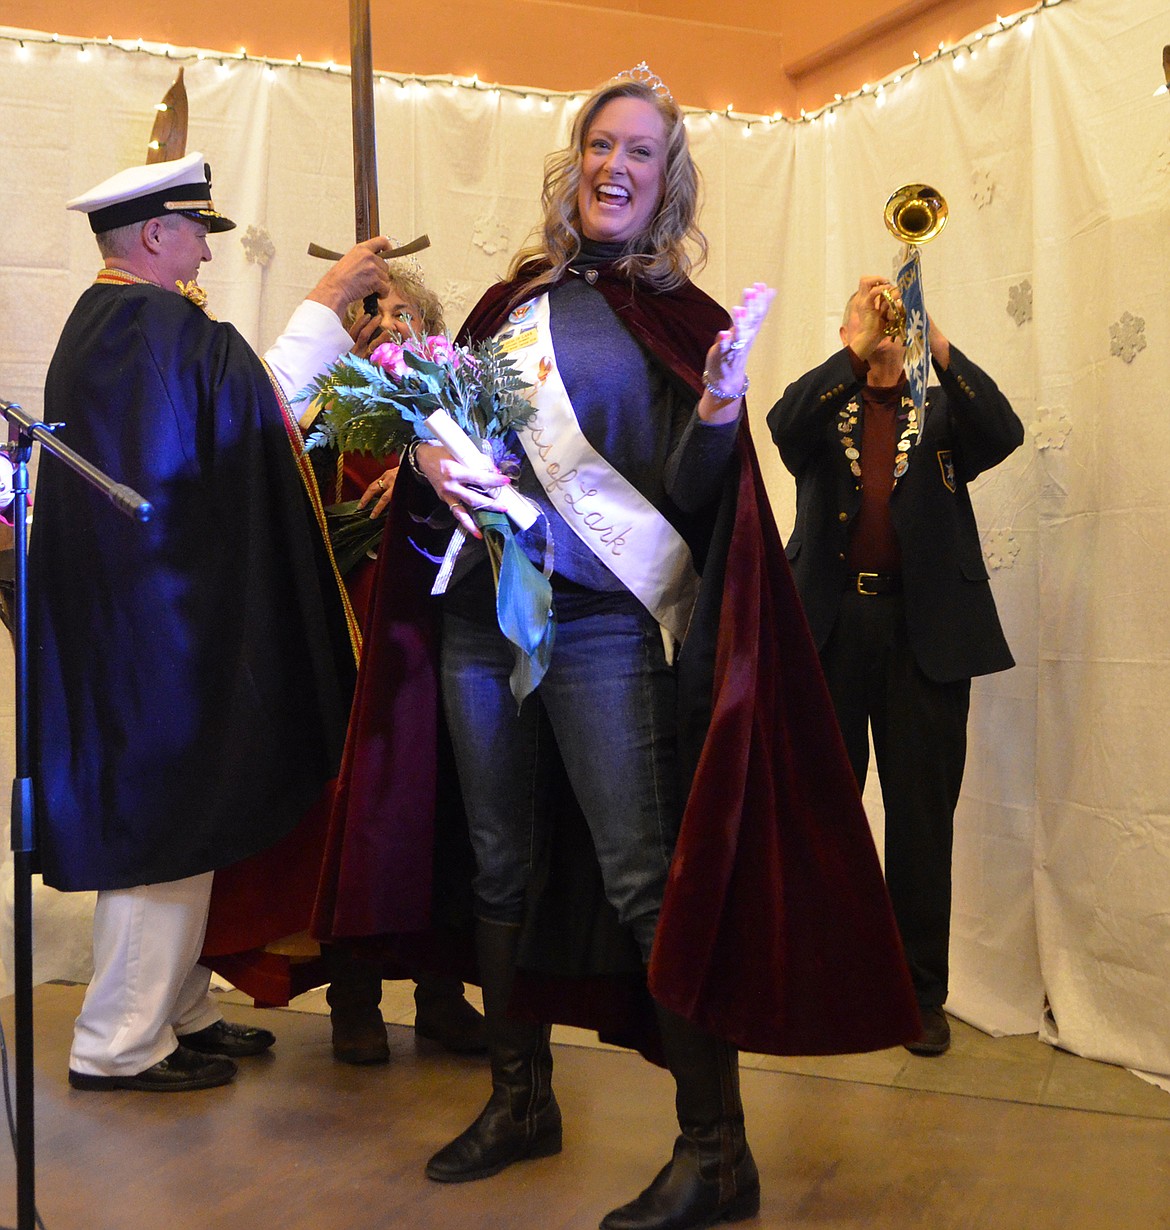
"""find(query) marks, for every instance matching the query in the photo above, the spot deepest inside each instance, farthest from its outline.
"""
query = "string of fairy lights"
(959, 54)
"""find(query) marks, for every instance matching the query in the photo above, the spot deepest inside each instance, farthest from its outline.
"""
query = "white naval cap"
(181, 186)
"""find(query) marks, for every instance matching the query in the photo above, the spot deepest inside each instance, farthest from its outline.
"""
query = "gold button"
(842, 516)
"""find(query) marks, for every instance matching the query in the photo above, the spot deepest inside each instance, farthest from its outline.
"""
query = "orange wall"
(759, 56)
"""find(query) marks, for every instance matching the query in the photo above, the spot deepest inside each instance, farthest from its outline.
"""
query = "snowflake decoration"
(1051, 429)
(982, 187)
(916, 337)
(490, 234)
(1128, 337)
(1001, 549)
(453, 295)
(1019, 304)
(258, 245)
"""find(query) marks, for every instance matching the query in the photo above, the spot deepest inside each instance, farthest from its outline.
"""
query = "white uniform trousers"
(147, 984)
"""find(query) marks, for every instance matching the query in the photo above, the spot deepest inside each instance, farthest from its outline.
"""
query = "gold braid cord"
(305, 469)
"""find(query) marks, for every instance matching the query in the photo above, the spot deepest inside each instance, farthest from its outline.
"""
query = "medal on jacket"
(907, 440)
(847, 419)
(846, 424)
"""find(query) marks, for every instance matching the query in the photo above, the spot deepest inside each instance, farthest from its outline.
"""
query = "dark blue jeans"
(609, 697)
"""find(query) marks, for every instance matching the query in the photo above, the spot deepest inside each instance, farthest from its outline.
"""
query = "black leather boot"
(522, 1118)
(353, 995)
(711, 1176)
(442, 1014)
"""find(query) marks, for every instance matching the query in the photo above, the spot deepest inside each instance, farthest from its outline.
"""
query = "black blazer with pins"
(968, 427)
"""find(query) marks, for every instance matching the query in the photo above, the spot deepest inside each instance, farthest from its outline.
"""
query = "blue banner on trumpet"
(908, 279)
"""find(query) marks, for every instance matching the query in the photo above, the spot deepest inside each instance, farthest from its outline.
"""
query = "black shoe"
(936, 1033)
(226, 1038)
(451, 1021)
(181, 1070)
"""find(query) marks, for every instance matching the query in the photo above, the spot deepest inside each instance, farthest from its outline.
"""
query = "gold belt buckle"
(860, 583)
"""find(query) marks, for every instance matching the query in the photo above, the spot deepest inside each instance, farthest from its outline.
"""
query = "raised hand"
(874, 308)
(366, 332)
(360, 272)
(725, 371)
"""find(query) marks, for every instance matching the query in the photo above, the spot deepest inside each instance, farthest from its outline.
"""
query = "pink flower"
(441, 350)
(389, 356)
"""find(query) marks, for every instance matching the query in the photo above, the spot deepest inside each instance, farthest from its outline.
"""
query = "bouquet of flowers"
(469, 399)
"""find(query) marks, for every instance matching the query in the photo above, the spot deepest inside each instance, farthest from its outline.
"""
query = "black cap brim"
(211, 218)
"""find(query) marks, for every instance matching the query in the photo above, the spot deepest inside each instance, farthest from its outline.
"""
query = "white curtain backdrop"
(1055, 158)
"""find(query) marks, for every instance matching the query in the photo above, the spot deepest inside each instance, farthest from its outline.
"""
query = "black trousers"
(920, 742)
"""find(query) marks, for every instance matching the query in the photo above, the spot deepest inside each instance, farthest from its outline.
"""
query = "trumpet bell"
(915, 213)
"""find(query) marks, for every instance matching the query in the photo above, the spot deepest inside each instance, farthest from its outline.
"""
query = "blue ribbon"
(524, 604)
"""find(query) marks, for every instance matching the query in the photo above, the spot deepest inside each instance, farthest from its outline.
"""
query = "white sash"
(610, 516)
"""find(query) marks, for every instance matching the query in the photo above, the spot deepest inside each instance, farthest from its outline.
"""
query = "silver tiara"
(409, 264)
(641, 73)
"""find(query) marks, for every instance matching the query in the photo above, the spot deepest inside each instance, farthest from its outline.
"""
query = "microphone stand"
(24, 430)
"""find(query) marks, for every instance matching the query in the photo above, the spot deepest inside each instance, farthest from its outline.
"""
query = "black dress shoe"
(936, 1034)
(181, 1070)
(226, 1038)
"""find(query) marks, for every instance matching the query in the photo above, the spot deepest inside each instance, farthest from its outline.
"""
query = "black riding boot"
(712, 1176)
(521, 1118)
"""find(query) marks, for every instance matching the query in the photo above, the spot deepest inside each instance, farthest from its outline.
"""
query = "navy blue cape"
(192, 674)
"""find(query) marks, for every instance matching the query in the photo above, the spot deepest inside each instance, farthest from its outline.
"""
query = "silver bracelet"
(412, 460)
(718, 392)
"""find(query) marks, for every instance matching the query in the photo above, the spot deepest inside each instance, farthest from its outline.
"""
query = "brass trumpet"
(915, 214)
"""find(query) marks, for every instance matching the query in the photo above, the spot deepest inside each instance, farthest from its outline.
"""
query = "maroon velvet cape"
(269, 897)
(776, 932)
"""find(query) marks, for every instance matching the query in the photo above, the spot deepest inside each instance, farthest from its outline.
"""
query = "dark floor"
(301, 1143)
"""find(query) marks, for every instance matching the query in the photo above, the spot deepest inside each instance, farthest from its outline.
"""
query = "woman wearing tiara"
(671, 807)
